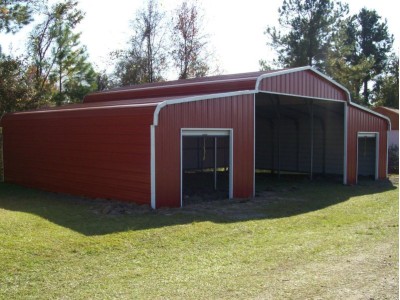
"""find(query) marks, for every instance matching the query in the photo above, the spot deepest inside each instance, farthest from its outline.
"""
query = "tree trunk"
(365, 93)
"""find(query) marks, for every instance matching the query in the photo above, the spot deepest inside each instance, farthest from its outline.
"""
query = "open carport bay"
(299, 135)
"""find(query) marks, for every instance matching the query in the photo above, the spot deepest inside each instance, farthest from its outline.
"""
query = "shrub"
(393, 159)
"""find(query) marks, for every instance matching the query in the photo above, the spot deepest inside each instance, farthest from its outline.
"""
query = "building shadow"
(275, 198)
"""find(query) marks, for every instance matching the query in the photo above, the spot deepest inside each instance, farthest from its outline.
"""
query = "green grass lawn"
(297, 240)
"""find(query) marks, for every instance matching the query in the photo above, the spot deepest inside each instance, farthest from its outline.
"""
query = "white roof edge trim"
(293, 70)
(305, 97)
(84, 108)
(161, 105)
(373, 112)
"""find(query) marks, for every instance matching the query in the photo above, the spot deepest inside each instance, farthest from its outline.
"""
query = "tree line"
(56, 69)
(356, 50)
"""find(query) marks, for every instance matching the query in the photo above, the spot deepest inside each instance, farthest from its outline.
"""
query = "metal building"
(139, 143)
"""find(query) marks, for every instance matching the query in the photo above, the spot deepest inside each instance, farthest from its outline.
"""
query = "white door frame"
(209, 132)
(375, 135)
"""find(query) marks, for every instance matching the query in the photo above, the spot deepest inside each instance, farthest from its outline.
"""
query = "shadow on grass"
(282, 198)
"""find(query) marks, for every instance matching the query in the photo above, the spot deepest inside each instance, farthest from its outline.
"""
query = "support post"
(272, 146)
(279, 140)
(311, 109)
(278, 114)
(215, 163)
(323, 146)
(297, 145)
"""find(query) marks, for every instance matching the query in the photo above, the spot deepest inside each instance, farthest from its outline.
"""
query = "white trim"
(366, 134)
(231, 164)
(377, 156)
(345, 114)
(387, 154)
(299, 69)
(374, 135)
(254, 146)
(300, 96)
(63, 109)
(180, 167)
(204, 131)
(196, 98)
(208, 131)
(153, 166)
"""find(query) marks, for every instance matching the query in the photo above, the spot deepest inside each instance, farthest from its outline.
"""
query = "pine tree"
(338, 62)
(58, 57)
(359, 54)
(386, 89)
(14, 14)
(305, 31)
(373, 41)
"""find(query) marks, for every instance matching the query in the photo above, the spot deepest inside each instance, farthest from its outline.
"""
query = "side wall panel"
(362, 121)
(101, 153)
(230, 112)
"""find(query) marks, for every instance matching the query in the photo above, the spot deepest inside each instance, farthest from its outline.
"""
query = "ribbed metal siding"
(362, 121)
(303, 83)
(230, 112)
(393, 116)
(188, 89)
(95, 153)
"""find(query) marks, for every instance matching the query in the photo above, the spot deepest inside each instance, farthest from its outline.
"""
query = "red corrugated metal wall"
(362, 121)
(96, 153)
(391, 114)
(230, 112)
(304, 83)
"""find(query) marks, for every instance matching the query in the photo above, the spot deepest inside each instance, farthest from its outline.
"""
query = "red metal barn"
(140, 143)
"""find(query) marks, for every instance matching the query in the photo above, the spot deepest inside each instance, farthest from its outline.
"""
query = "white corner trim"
(254, 145)
(387, 154)
(345, 114)
(153, 167)
(161, 105)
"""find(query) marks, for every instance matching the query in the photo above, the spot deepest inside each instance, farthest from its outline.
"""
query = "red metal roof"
(303, 82)
(188, 87)
(149, 102)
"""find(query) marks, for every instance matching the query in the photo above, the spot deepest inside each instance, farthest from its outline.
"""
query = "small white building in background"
(393, 115)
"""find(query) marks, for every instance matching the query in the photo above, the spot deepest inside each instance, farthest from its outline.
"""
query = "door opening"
(367, 156)
(206, 166)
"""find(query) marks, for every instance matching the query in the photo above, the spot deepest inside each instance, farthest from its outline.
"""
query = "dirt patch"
(371, 273)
